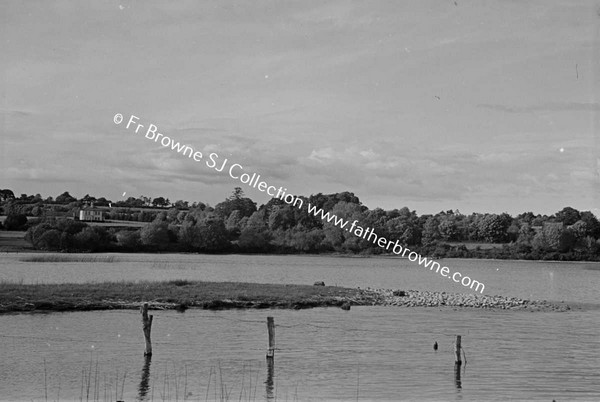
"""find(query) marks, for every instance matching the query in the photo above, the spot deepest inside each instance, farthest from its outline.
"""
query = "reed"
(69, 258)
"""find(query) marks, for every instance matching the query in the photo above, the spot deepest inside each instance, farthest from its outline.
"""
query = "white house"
(91, 214)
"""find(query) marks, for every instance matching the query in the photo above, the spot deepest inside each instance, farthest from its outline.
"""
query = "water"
(527, 279)
(367, 353)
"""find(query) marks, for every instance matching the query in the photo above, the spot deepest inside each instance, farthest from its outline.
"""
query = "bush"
(155, 234)
(15, 222)
(60, 234)
(129, 239)
(49, 240)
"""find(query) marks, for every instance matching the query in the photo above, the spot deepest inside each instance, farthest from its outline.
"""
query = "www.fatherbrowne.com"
(368, 234)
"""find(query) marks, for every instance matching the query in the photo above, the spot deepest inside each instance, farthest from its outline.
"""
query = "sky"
(480, 106)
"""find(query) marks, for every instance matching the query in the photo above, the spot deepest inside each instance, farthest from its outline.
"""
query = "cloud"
(546, 107)
(15, 113)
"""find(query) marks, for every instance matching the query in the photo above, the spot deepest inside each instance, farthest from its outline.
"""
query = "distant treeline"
(238, 225)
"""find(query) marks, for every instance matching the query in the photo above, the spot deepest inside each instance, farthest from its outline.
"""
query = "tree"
(88, 198)
(206, 234)
(592, 224)
(232, 224)
(340, 238)
(172, 215)
(307, 241)
(92, 238)
(65, 198)
(102, 202)
(255, 235)
(70, 226)
(447, 227)
(15, 222)
(129, 239)
(160, 202)
(155, 234)
(199, 205)
(526, 234)
(554, 237)
(213, 234)
(527, 217)
(281, 217)
(403, 225)
(238, 194)
(579, 229)
(568, 216)
(6, 195)
(189, 235)
(236, 201)
(49, 240)
(431, 234)
(493, 228)
(180, 204)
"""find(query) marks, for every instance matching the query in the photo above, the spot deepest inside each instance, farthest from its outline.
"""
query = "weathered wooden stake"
(271, 328)
(147, 327)
(270, 383)
(457, 381)
(457, 350)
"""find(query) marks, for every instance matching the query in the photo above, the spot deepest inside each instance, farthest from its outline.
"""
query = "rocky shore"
(414, 298)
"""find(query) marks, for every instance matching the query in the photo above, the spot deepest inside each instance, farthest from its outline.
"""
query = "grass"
(68, 258)
(176, 294)
(13, 241)
(171, 383)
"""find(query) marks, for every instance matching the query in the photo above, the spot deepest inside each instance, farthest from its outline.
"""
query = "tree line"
(237, 224)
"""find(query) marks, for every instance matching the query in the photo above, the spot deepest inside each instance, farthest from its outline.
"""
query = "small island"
(183, 294)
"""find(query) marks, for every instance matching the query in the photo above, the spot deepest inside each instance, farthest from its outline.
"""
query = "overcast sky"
(485, 106)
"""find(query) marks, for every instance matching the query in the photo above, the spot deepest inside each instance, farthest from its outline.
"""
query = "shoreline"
(182, 294)
(16, 251)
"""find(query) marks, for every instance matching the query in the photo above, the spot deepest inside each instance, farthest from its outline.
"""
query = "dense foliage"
(238, 225)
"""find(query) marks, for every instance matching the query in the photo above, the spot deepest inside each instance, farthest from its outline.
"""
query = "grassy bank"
(175, 294)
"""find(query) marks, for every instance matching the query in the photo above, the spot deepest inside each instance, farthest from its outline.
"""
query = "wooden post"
(147, 327)
(457, 381)
(457, 350)
(144, 386)
(271, 328)
(270, 383)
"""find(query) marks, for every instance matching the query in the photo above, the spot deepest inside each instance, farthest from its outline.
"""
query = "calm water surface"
(368, 353)
(533, 280)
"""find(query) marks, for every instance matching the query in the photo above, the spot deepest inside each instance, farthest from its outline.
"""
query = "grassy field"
(177, 294)
(118, 224)
(13, 241)
(53, 258)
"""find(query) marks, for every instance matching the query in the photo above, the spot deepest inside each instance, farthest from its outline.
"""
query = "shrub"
(15, 222)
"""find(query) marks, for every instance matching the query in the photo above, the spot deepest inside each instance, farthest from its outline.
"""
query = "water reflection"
(457, 375)
(144, 386)
(270, 382)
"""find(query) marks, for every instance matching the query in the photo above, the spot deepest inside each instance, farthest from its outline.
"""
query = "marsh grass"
(69, 258)
(172, 294)
(172, 384)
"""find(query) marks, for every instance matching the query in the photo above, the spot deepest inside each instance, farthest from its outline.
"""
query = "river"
(367, 353)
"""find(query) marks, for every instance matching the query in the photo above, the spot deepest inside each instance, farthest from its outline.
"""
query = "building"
(91, 214)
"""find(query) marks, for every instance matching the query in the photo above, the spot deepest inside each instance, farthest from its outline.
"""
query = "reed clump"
(69, 258)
